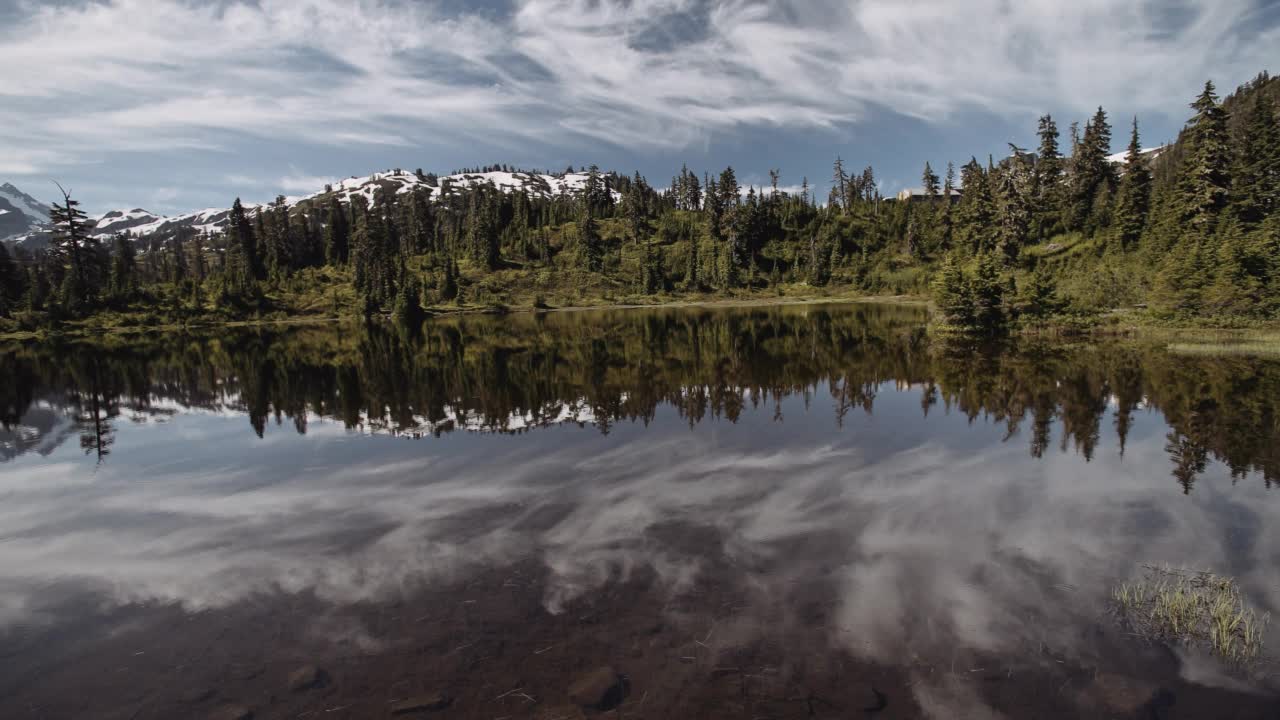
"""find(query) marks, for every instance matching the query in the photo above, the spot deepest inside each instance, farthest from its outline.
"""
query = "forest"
(1058, 234)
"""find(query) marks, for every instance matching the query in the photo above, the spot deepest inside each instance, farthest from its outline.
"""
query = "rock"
(429, 702)
(600, 689)
(308, 677)
(232, 712)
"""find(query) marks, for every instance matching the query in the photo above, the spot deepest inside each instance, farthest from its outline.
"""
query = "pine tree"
(590, 244)
(975, 214)
(1134, 199)
(988, 294)
(247, 268)
(77, 252)
(1048, 214)
(1015, 190)
(407, 310)
(840, 186)
(1090, 170)
(447, 289)
(947, 220)
(1039, 299)
(122, 283)
(337, 234)
(1255, 181)
(12, 283)
(952, 295)
(930, 181)
(1204, 175)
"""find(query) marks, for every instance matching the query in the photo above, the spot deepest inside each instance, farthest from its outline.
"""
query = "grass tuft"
(1195, 608)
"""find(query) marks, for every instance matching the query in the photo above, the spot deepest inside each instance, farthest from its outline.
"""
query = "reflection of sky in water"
(932, 529)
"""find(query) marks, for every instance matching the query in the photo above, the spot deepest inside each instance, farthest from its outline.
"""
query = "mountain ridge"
(144, 224)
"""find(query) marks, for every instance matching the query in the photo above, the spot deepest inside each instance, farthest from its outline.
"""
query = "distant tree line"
(1192, 232)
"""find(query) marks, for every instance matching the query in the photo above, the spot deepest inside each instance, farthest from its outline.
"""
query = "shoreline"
(444, 312)
(1263, 339)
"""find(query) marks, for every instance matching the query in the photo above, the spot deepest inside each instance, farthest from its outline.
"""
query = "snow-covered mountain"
(20, 213)
(122, 220)
(31, 230)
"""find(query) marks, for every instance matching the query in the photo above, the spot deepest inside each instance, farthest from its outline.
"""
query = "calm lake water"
(786, 512)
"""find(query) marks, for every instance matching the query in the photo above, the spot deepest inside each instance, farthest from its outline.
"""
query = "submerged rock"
(601, 689)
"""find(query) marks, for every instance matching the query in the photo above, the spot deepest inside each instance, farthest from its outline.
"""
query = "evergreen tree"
(407, 310)
(337, 233)
(1134, 197)
(947, 220)
(1090, 170)
(447, 289)
(1255, 180)
(975, 215)
(247, 267)
(122, 283)
(1204, 175)
(483, 236)
(77, 252)
(12, 282)
(590, 244)
(930, 181)
(839, 186)
(952, 294)
(1039, 299)
(988, 294)
(1015, 196)
(1049, 180)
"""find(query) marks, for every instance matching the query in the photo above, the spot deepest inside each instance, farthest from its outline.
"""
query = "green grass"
(1195, 608)
(1269, 347)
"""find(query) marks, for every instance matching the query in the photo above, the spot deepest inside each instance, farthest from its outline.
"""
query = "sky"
(175, 105)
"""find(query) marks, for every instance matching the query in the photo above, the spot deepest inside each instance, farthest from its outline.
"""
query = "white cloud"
(166, 75)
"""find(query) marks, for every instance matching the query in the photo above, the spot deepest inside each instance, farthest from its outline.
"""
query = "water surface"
(784, 512)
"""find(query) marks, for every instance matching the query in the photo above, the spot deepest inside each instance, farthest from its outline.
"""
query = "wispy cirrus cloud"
(164, 76)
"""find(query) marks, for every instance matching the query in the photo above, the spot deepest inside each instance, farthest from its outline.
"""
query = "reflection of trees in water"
(513, 373)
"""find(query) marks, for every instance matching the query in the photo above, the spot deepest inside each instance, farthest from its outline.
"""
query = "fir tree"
(247, 267)
(1134, 197)
(1204, 174)
(1090, 170)
(1039, 299)
(1255, 180)
(337, 233)
(77, 252)
(122, 283)
(952, 295)
(12, 282)
(839, 186)
(1048, 179)
(930, 181)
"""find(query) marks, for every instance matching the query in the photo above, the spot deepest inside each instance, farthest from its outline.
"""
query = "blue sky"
(173, 105)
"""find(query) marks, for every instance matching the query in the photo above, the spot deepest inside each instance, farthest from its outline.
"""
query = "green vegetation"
(1036, 240)
(1196, 608)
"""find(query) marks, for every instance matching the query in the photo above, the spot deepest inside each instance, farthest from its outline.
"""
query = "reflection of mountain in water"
(513, 374)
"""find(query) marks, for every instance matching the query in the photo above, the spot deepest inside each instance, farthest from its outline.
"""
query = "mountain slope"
(20, 213)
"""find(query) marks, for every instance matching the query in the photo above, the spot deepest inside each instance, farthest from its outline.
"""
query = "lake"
(768, 512)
